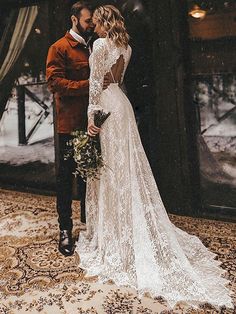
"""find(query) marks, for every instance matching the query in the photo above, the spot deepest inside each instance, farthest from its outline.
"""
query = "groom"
(67, 73)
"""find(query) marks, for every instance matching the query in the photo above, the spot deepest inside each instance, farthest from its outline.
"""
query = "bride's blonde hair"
(110, 18)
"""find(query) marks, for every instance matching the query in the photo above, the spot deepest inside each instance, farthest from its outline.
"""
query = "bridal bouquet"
(86, 150)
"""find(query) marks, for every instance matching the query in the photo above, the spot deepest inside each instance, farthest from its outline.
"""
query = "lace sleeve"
(97, 72)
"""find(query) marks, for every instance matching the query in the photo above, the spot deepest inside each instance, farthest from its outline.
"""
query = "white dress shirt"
(77, 37)
(80, 39)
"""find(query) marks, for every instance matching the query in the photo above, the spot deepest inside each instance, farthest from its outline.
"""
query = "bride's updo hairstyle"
(111, 20)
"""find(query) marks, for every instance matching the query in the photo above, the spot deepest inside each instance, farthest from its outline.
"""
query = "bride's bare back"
(117, 70)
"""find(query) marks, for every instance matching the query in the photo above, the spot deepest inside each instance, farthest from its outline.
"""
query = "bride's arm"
(97, 73)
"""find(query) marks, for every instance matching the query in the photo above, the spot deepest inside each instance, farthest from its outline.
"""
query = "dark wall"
(173, 153)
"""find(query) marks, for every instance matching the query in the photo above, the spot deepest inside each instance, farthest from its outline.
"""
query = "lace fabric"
(129, 237)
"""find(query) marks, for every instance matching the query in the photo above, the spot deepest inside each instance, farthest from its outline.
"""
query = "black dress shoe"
(66, 245)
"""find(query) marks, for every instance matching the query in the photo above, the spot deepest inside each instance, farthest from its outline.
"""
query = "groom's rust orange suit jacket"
(67, 72)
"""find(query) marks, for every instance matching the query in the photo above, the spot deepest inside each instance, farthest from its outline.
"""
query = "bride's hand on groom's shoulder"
(92, 129)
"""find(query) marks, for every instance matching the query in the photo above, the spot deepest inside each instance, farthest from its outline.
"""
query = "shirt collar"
(77, 37)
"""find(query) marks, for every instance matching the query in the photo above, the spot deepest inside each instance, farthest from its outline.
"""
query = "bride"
(129, 238)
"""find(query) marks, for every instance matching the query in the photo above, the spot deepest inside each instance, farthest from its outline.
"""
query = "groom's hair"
(78, 7)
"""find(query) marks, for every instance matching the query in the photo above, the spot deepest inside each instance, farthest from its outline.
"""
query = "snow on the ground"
(220, 136)
(212, 107)
(9, 123)
(221, 143)
(43, 152)
(229, 169)
(40, 146)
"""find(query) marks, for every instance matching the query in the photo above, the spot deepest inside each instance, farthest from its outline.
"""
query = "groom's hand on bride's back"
(106, 81)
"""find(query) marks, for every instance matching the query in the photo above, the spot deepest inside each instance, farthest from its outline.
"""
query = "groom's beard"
(86, 34)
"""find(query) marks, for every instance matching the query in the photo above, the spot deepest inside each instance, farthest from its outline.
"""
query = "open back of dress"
(117, 70)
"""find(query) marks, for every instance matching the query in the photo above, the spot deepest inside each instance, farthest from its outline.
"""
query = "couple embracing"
(129, 238)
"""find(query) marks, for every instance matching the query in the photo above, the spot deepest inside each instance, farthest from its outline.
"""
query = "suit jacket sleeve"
(57, 82)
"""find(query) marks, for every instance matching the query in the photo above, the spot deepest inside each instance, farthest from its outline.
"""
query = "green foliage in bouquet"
(86, 150)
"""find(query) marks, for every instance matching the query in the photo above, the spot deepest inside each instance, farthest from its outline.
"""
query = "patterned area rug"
(36, 278)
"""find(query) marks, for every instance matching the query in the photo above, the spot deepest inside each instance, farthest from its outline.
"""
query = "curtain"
(12, 44)
(21, 32)
(7, 32)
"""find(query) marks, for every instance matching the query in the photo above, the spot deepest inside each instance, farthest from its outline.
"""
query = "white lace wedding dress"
(129, 237)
